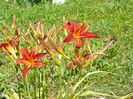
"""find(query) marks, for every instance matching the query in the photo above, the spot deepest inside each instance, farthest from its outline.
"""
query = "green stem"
(43, 82)
(15, 73)
(27, 85)
(35, 83)
(65, 56)
(60, 75)
(39, 86)
(44, 79)
(18, 89)
(24, 83)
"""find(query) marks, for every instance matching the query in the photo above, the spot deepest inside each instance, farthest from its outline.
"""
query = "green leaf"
(78, 83)
(97, 93)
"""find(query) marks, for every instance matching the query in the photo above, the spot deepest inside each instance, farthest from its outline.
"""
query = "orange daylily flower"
(9, 46)
(29, 58)
(78, 33)
(8, 49)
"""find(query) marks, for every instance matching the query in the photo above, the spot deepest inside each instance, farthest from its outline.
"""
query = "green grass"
(104, 17)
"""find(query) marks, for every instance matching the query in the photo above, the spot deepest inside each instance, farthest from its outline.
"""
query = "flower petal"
(37, 63)
(34, 50)
(78, 43)
(25, 70)
(83, 28)
(70, 66)
(88, 35)
(23, 61)
(25, 53)
(69, 38)
(68, 28)
(74, 25)
(71, 26)
(40, 55)
(75, 62)
(87, 56)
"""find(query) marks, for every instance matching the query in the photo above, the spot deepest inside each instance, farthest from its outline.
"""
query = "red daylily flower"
(29, 58)
(78, 33)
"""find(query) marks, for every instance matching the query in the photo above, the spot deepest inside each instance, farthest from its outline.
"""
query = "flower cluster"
(51, 44)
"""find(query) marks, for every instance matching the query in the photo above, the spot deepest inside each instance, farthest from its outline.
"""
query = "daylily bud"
(56, 47)
(96, 55)
(7, 30)
(13, 24)
(45, 46)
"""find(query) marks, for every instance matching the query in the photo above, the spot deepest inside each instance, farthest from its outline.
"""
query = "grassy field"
(104, 17)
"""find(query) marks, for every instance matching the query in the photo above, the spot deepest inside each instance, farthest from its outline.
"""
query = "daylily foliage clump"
(38, 47)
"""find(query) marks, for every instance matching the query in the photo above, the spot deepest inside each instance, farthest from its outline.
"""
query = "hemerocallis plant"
(78, 32)
(52, 42)
(30, 59)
